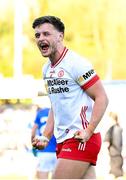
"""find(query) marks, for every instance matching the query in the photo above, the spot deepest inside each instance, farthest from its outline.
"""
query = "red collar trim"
(60, 58)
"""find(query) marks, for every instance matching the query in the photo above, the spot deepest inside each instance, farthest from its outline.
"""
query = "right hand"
(82, 135)
(39, 142)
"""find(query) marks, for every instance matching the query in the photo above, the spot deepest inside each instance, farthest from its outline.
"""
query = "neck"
(56, 55)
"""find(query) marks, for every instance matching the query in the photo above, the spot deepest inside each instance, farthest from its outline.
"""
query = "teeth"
(41, 45)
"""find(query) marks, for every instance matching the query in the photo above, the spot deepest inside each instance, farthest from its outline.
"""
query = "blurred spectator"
(46, 157)
(113, 139)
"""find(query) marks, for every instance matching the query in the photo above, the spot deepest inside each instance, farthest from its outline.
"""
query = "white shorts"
(46, 161)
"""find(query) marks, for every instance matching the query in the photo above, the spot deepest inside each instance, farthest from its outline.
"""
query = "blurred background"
(95, 29)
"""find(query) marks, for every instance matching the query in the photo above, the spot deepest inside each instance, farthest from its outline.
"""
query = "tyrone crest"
(61, 73)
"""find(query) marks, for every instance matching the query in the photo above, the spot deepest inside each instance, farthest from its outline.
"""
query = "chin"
(45, 55)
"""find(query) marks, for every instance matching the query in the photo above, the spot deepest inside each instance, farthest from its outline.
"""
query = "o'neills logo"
(66, 149)
(57, 86)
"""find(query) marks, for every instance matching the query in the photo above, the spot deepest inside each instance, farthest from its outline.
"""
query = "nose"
(39, 37)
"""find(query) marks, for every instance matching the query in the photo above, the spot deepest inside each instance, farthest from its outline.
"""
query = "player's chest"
(58, 80)
(56, 73)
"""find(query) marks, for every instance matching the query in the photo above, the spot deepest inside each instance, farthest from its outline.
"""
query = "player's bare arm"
(48, 131)
(33, 132)
(98, 94)
(42, 141)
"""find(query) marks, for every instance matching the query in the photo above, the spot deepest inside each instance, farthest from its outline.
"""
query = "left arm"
(98, 94)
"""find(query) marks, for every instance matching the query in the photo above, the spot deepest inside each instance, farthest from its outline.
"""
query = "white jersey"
(66, 83)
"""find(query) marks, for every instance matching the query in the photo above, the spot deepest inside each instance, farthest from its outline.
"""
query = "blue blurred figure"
(46, 157)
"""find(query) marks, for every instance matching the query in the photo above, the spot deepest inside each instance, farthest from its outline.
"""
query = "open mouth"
(43, 46)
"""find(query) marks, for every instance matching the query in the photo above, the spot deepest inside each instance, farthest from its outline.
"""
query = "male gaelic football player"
(78, 102)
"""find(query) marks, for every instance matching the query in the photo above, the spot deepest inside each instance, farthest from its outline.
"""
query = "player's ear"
(61, 36)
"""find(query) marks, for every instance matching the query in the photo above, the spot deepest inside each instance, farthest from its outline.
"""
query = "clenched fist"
(82, 135)
(40, 142)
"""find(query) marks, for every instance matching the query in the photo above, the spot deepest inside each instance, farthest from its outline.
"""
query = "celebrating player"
(78, 102)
